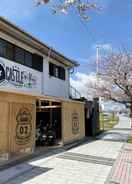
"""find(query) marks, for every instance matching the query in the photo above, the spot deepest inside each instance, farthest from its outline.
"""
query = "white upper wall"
(43, 82)
(53, 86)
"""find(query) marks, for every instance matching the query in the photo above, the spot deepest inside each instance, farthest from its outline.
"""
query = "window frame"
(61, 71)
(39, 58)
(19, 61)
(5, 55)
(26, 63)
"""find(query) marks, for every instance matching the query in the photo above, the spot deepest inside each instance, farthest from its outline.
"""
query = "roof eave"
(36, 43)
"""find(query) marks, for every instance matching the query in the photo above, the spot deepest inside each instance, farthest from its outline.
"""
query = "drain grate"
(87, 158)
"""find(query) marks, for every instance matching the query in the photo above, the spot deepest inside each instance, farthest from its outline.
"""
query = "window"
(56, 71)
(6, 49)
(9, 51)
(2, 48)
(62, 73)
(37, 62)
(51, 69)
(19, 55)
(28, 59)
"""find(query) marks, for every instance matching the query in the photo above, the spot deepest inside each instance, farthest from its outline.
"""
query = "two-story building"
(34, 88)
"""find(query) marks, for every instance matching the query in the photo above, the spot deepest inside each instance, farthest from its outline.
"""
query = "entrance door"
(48, 119)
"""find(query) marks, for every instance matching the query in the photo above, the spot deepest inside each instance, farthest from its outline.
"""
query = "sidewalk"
(89, 163)
(124, 123)
(121, 172)
(120, 132)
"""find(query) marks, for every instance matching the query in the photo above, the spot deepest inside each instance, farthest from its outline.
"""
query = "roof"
(21, 35)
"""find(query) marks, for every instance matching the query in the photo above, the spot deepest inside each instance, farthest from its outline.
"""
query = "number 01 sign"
(75, 123)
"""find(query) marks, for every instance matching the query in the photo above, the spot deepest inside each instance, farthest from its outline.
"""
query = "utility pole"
(97, 75)
(97, 60)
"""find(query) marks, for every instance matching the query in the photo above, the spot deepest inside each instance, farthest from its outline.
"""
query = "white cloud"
(106, 46)
(87, 84)
(82, 83)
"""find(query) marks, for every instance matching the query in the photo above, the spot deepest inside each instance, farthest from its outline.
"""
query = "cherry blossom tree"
(82, 7)
(115, 78)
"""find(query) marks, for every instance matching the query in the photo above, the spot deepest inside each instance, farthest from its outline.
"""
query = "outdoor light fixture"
(82, 7)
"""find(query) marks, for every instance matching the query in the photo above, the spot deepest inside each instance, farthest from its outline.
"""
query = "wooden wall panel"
(4, 110)
(73, 127)
(23, 127)
(18, 98)
(10, 105)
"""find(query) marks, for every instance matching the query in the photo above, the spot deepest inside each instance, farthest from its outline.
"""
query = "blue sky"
(112, 27)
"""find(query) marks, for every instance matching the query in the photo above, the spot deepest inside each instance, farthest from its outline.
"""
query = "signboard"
(75, 123)
(19, 77)
(23, 126)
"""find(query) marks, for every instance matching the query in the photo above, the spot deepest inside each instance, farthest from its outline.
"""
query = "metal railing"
(74, 93)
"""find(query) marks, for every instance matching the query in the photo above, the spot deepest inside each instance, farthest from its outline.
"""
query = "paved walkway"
(120, 132)
(122, 171)
(124, 123)
(72, 167)
(90, 163)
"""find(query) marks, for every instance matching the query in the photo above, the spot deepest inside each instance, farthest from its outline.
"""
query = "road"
(89, 163)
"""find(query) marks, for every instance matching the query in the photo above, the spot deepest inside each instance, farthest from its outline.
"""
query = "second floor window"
(56, 71)
(6, 49)
(20, 55)
(28, 59)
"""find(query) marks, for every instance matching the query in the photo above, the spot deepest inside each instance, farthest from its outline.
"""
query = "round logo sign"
(24, 126)
(2, 73)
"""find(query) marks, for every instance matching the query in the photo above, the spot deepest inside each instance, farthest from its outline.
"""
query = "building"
(34, 87)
